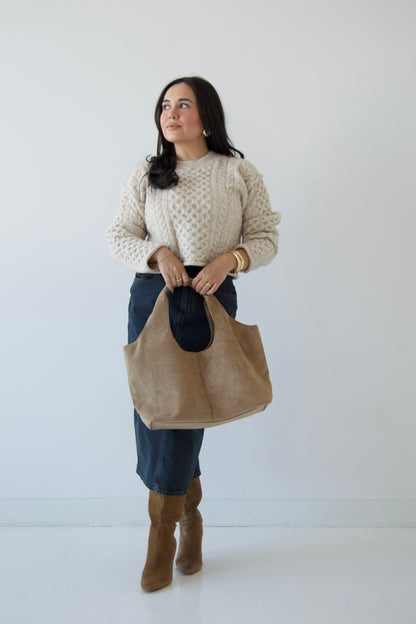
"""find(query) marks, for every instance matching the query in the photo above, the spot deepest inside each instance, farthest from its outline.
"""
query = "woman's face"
(179, 119)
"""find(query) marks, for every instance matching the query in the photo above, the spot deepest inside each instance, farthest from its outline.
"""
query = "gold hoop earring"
(206, 133)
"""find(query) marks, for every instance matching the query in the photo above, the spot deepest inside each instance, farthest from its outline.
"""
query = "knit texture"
(219, 204)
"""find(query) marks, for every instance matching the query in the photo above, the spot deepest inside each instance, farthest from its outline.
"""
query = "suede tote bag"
(176, 389)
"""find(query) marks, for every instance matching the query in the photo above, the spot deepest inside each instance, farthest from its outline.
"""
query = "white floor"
(260, 575)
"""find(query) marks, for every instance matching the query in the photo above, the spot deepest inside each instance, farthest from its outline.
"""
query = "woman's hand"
(172, 269)
(211, 276)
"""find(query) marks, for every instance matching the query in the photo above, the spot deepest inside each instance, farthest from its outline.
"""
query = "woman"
(191, 218)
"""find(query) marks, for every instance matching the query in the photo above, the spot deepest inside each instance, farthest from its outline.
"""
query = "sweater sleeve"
(259, 234)
(127, 236)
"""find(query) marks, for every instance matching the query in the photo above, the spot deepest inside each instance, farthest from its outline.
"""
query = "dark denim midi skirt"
(167, 460)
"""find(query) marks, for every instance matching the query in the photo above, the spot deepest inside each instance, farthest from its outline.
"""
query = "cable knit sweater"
(219, 204)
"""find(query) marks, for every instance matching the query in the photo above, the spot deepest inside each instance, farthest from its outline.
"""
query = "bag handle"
(216, 314)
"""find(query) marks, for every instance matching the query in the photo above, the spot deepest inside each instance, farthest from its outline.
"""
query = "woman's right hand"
(172, 269)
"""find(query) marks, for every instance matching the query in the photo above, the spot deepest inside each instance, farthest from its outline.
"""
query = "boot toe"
(153, 584)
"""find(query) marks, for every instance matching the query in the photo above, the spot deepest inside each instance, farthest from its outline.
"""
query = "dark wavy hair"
(162, 172)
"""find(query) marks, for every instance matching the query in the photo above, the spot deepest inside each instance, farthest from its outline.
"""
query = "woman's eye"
(166, 107)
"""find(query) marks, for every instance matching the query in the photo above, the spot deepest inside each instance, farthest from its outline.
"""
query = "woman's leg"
(167, 459)
(189, 559)
(164, 512)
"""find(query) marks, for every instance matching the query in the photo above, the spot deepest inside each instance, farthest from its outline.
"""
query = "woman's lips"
(173, 127)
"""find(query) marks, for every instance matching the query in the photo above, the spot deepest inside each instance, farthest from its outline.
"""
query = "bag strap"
(218, 317)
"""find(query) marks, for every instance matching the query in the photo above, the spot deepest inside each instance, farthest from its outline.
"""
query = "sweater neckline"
(193, 164)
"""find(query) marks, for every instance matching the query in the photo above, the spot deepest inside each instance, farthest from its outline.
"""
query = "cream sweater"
(219, 204)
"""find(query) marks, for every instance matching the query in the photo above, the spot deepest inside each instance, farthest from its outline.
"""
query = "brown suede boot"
(164, 512)
(189, 559)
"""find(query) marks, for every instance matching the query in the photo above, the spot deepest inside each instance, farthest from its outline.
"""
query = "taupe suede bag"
(176, 389)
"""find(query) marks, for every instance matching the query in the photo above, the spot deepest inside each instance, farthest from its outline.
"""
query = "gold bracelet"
(240, 260)
(240, 255)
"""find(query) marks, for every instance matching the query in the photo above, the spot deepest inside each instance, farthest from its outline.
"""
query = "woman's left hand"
(211, 276)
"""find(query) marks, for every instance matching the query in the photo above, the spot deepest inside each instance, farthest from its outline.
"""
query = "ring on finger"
(209, 284)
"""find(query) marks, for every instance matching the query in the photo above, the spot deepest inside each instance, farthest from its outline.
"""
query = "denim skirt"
(167, 459)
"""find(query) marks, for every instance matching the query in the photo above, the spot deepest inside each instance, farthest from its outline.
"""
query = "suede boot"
(189, 559)
(164, 512)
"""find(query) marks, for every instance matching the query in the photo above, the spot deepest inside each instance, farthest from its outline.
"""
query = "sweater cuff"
(152, 249)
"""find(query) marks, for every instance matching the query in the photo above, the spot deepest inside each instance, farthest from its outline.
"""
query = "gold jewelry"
(240, 255)
(179, 279)
(206, 133)
(240, 260)
(209, 284)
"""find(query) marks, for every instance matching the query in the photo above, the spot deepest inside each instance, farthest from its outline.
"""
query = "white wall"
(321, 98)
